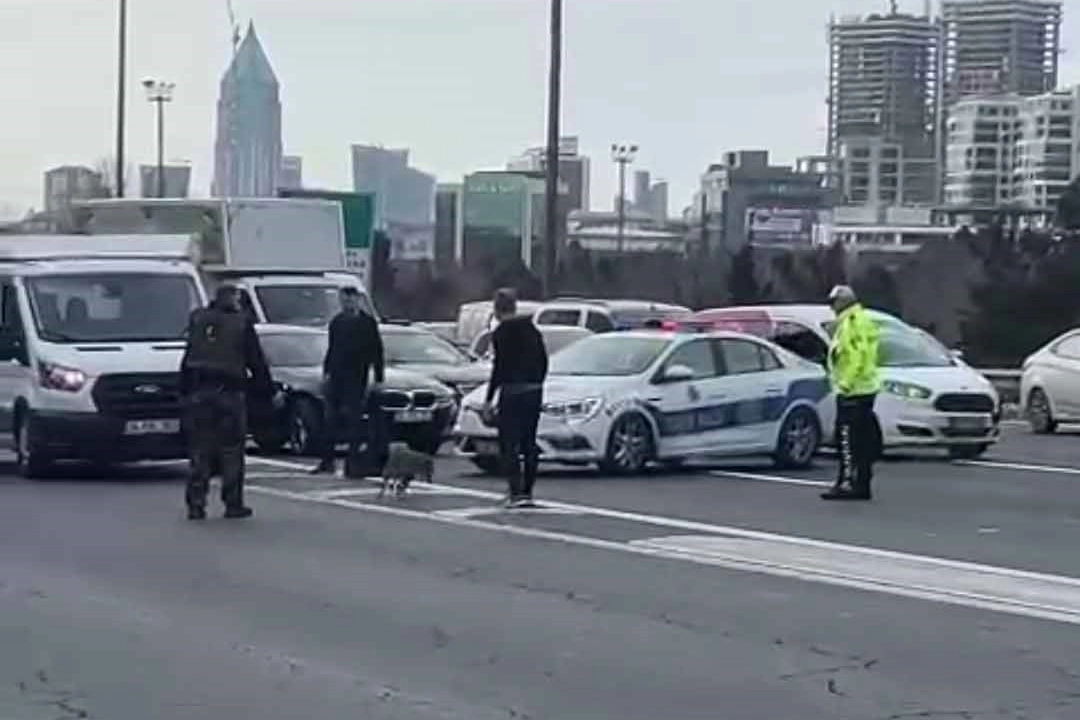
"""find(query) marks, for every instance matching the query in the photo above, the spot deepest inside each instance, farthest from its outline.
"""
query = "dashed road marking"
(762, 477)
(1026, 467)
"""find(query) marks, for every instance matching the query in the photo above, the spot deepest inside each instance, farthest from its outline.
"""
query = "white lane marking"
(471, 512)
(694, 526)
(1055, 598)
(1026, 467)
(769, 478)
(1051, 597)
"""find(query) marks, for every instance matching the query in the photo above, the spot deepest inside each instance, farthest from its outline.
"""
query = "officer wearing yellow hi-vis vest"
(853, 372)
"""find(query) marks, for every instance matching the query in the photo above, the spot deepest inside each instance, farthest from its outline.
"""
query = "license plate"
(486, 447)
(412, 416)
(151, 427)
(969, 423)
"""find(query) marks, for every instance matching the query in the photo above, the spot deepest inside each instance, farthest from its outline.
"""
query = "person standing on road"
(222, 348)
(354, 350)
(853, 372)
(517, 374)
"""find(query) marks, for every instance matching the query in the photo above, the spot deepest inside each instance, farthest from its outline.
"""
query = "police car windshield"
(608, 354)
(311, 305)
(112, 307)
(283, 349)
(405, 348)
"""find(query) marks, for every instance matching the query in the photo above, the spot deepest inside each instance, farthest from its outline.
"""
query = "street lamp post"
(159, 93)
(551, 171)
(623, 155)
(121, 102)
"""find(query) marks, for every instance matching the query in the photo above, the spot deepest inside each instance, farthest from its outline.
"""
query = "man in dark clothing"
(354, 350)
(222, 348)
(517, 374)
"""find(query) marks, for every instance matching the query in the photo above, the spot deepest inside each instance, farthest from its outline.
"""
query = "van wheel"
(29, 461)
(799, 440)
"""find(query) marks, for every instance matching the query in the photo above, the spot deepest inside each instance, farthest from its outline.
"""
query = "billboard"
(769, 225)
(410, 241)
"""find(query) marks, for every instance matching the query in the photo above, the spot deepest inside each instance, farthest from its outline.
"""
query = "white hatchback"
(623, 400)
(929, 398)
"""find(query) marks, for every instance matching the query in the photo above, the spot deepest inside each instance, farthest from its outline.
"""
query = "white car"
(930, 397)
(1050, 383)
(623, 400)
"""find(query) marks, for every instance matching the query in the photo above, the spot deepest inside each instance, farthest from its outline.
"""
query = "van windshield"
(112, 307)
(311, 305)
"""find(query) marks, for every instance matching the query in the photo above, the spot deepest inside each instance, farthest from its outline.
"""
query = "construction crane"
(235, 28)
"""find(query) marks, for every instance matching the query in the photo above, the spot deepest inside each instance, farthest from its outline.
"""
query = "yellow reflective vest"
(853, 353)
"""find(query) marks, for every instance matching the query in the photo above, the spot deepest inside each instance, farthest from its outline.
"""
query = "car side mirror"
(677, 373)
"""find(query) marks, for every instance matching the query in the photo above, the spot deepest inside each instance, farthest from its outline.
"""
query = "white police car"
(623, 400)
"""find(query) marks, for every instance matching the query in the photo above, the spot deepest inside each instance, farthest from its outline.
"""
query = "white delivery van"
(91, 338)
(287, 256)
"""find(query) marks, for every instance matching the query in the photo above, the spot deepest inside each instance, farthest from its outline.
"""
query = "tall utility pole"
(121, 102)
(623, 155)
(551, 171)
(159, 93)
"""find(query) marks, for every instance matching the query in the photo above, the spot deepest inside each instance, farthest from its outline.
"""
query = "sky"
(462, 83)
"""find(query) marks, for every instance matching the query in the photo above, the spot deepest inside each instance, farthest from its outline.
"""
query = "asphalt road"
(726, 592)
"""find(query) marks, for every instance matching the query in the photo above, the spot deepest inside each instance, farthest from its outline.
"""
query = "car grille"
(404, 399)
(965, 402)
(138, 395)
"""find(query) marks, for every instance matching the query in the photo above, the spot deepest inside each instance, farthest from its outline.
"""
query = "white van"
(91, 338)
(602, 316)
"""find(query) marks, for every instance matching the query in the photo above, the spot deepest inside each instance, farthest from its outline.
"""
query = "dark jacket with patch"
(223, 350)
(521, 361)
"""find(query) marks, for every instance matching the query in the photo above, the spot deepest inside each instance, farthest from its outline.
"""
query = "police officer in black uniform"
(222, 349)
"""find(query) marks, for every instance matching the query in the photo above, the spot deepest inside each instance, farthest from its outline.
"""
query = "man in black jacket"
(517, 374)
(354, 349)
(222, 348)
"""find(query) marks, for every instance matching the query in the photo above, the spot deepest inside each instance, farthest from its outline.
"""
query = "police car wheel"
(630, 446)
(799, 440)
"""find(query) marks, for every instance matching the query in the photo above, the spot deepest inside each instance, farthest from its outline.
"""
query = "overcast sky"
(460, 82)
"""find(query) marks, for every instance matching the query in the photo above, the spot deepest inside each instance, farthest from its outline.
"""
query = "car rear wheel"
(800, 437)
(1039, 414)
(630, 446)
(305, 426)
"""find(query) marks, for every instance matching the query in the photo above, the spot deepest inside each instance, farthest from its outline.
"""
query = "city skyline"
(433, 92)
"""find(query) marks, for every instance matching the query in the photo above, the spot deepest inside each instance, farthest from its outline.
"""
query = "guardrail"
(1007, 384)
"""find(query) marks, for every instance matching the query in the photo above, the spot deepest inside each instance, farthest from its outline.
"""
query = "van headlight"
(573, 410)
(908, 391)
(59, 377)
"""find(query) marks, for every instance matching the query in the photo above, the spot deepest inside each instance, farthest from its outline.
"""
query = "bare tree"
(106, 166)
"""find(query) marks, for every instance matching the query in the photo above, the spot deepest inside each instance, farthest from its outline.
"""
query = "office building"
(503, 220)
(874, 171)
(177, 181)
(291, 176)
(449, 223)
(1012, 150)
(71, 182)
(994, 47)
(404, 199)
(247, 150)
(574, 169)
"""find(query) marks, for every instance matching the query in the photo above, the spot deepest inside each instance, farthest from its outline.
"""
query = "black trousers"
(856, 440)
(519, 415)
(357, 415)
(217, 433)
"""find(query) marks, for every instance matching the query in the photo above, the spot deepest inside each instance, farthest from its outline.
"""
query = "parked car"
(420, 410)
(414, 348)
(601, 316)
(556, 337)
(624, 400)
(476, 317)
(930, 397)
(1050, 383)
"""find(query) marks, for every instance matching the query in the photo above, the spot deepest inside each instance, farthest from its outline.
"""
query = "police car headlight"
(573, 410)
(908, 391)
